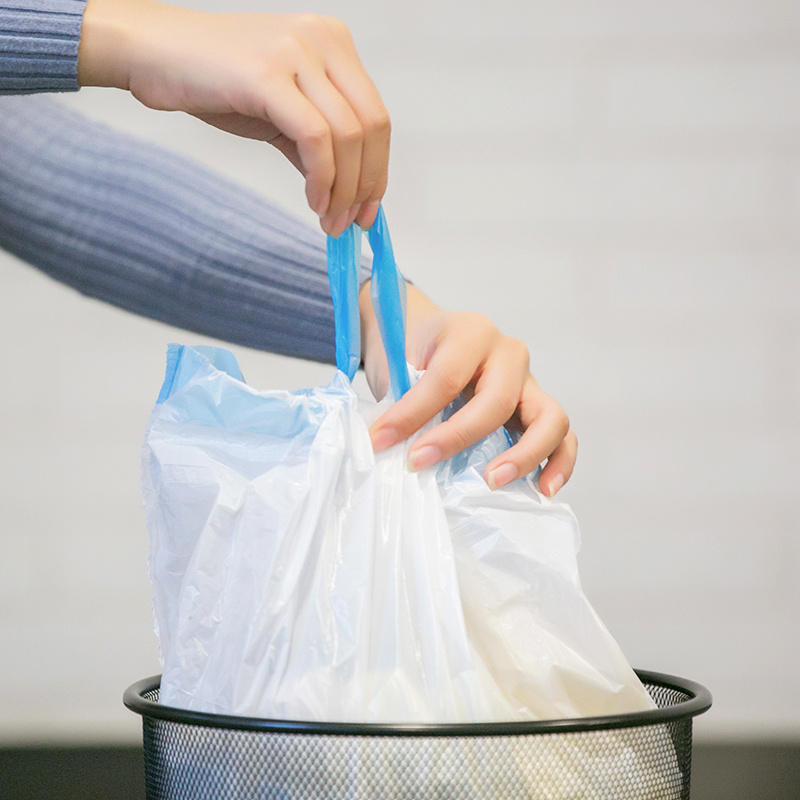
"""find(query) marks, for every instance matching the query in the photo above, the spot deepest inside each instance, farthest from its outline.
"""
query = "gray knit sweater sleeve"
(139, 227)
(39, 45)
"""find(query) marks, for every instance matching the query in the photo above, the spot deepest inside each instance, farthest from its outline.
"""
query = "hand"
(293, 80)
(465, 352)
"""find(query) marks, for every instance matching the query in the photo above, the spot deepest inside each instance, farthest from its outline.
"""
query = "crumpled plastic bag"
(298, 575)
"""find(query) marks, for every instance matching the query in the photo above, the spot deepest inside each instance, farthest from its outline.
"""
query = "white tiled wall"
(618, 184)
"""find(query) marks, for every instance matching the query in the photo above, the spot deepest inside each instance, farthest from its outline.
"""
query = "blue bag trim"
(388, 292)
(183, 363)
(344, 256)
(173, 361)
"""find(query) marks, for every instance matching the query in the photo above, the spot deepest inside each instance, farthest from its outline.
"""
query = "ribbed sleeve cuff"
(39, 45)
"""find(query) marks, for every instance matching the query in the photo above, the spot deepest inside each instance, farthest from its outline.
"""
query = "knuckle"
(554, 415)
(479, 326)
(506, 406)
(449, 386)
(459, 440)
(573, 441)
(317, 136)
(349, 133)
(283, 49)
(336, 26)
(307, 22)
(560, 420)
(520, 350)
(320, 177)
(484, 324)
(378, 123)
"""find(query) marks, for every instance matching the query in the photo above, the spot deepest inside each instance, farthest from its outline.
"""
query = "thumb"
(376, 369)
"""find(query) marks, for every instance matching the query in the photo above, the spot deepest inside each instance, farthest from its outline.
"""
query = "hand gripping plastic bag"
(298, 575)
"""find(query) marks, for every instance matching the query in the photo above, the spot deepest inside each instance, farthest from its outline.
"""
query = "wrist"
(111, 36)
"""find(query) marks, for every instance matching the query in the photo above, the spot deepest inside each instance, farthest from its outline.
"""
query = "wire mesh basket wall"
(643, 756)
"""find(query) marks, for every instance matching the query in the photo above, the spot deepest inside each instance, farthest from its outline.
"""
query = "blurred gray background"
(617, 184)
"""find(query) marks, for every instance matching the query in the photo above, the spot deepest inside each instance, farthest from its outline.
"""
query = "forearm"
(136, 226)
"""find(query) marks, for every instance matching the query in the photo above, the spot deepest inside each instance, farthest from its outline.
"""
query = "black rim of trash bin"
(697, 702)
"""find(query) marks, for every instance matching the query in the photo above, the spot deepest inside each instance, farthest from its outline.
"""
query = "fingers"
(343, 141)
(345, 154)
(491, 406)
(453, 363)
(348, 76)
(323, 137)
(501, 393)
(546, 436)
(546, 432)
(301, 121)
(422, 402)
(558, 469)
(466, 353)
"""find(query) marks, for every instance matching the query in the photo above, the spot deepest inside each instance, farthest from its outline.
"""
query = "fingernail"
(424, 457)
(327, 225)
(342, 223)
(555, 484)
(321, 206)
(335, 225)
(502, 475)
(384, 439)
(369, 211)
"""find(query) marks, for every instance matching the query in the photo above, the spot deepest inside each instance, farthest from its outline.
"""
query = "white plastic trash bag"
(298, 575)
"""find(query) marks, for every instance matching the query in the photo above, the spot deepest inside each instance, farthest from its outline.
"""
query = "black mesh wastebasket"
(646, 755)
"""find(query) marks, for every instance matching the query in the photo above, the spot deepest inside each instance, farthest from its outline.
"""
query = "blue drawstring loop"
(388, 292)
